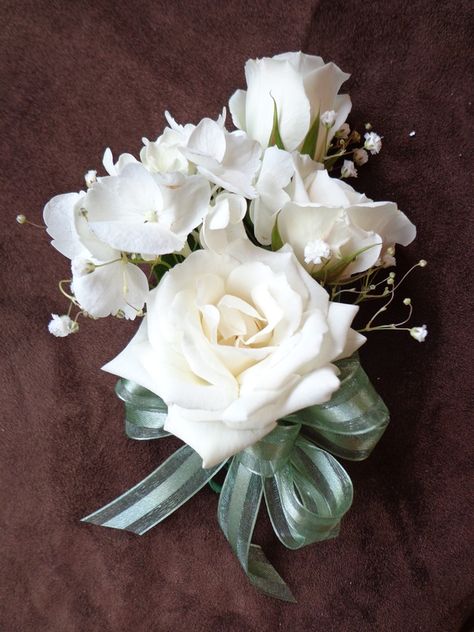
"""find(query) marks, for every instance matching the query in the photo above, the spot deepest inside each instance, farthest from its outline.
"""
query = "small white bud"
(368, 126)
(80, 266)
(328, 118)
(21, 219)
(407, 301)
(360, 157)
(419, 333)
(411, 134)
(90, 177)
(348, 170)
(343, 131)
(373, 142)
(61, 326)
(422, 263)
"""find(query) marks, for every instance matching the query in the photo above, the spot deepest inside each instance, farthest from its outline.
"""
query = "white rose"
(328, 216)
(234, 342)
(302, 86)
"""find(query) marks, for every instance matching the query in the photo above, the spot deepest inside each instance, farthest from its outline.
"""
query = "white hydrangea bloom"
(103, 282)
(228, 159)
(223, 223)
(148, 213)
(275, 174)
(164, 155)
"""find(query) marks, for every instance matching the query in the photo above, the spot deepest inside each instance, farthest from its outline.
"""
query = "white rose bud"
(328, 118)
(343, 131)
(360, 157)
(90, 177)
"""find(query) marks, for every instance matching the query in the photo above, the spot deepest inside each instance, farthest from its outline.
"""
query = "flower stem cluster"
(370, 287)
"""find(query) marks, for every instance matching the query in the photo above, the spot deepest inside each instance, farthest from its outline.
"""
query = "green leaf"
(275, 138)
(311, 139)
(276, 239)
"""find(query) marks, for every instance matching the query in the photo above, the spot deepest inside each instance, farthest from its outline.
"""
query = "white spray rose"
(303, 86)
(329, 218)
(234, 342)
(103, 281)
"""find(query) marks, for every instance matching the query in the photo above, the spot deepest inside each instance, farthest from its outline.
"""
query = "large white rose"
(234, 342)
(328, 221)
(302, 86)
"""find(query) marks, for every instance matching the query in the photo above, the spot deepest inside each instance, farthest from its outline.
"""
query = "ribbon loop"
(145, 412)
(352, 422)
(308, 498)
(239, 503)
(272, 452)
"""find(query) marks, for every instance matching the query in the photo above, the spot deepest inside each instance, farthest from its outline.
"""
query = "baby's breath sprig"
(369, 289)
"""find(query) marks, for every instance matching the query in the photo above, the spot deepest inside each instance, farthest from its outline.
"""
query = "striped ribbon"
(306, 490)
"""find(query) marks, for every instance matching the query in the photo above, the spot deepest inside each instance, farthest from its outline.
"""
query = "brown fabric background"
(77, 76)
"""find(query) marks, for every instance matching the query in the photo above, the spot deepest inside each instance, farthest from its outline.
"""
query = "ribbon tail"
(239, 503)
(158, 495)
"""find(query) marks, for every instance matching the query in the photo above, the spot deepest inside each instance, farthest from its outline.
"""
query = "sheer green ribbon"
(306, 490)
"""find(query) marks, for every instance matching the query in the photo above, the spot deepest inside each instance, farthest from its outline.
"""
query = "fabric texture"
(79, 76)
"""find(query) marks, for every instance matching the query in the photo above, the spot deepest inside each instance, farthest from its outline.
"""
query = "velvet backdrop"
(78, 76)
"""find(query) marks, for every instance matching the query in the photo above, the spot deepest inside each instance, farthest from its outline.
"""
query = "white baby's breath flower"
(360, 157)
(315, 251)
(61, 326)
(419, 333)
(373, 142)
(328, 118)
(348, 169)
(90, 177)
(81, 266)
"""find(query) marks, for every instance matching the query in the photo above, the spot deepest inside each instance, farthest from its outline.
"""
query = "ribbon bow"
(306, 490)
